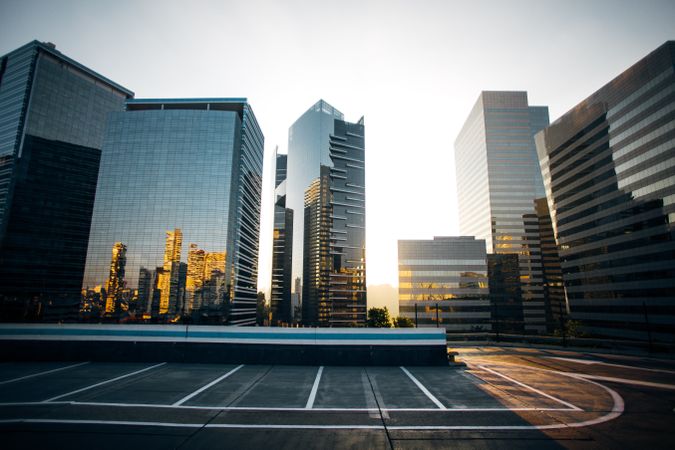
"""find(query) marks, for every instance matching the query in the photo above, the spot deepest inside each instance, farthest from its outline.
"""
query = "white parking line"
(589, 362)
(624, 381)
(315, 387)
(42, 373)
(544, 394)
(203, 388)
(424, 389)
(275, 408)
(101, 383)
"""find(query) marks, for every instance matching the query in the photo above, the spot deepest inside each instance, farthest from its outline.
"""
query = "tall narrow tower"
(326, 177)
(498, 179)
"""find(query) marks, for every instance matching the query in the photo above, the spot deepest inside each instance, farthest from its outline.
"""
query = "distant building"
(498, 178)
(608, 168)
(52, 125)
(282, 250)
(325, 188)
(179, 171)
(444, 282)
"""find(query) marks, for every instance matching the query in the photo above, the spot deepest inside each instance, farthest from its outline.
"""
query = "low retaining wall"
(222, 344)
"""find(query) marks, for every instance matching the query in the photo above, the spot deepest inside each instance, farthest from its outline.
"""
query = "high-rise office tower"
(53, 117)
(282, 249)
(116, 277)
(608, 168)
(326, 176)
(444, 282)
(182, 170)
(498, 178)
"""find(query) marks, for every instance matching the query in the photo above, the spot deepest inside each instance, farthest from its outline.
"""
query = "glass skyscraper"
(609, 171)
(282, 249)
(444, 282)
(52, 125)
(179, 188)
(325, 189)
(498, 179)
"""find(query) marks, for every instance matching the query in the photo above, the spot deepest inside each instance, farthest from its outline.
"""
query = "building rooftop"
(50, 48)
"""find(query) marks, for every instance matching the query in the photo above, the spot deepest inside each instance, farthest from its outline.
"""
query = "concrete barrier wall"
(222, 344)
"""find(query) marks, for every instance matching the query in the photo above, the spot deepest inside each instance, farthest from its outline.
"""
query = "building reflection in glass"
(116, 283)
(179, 185)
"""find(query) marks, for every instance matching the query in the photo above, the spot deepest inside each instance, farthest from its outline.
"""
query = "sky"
(414, 69)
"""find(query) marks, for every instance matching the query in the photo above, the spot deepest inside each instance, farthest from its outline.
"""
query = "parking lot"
(197, 405)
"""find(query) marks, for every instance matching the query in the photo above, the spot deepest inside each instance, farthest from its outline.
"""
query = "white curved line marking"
(536, 391)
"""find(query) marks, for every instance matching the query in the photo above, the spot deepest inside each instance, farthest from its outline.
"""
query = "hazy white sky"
(413, 68)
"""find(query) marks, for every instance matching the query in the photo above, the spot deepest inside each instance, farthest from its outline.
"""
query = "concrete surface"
(504, 398)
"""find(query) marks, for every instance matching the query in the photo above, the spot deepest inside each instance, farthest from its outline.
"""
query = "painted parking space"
(11, 372)
(164, 385)
(51, 386)
(344, 387)
(455, 388)
(228, 391)
(280, 387)
(394, 389)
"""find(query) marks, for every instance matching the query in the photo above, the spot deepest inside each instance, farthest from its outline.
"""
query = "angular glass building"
(498, 178)
(179, 187)
(444, 283)
(52, 122)
(282, 249)
(326, 190)
(609, 171)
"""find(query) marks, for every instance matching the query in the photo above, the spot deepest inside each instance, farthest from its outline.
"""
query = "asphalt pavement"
(503, 398)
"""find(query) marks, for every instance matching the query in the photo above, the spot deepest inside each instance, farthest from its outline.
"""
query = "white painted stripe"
(42, 373)
(101, 383)
(295, 427)
(315, 387)
(544, 394)
(623, 366)
(271, 408)
(106, 422)
(197, 425)
(624, 381)
(203, 388)
(423, 389)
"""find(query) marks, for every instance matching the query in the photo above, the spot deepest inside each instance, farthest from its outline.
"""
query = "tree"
(572, 329)
(379, 318)
(403, 322)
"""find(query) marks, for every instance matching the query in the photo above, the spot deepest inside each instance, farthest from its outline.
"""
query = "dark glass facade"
(444, 282)
(554, 291)
(505, 292)
(609, 172)
(282, 250)
(498, 178)
(179, 187)
(326, 160)
(52, 125)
